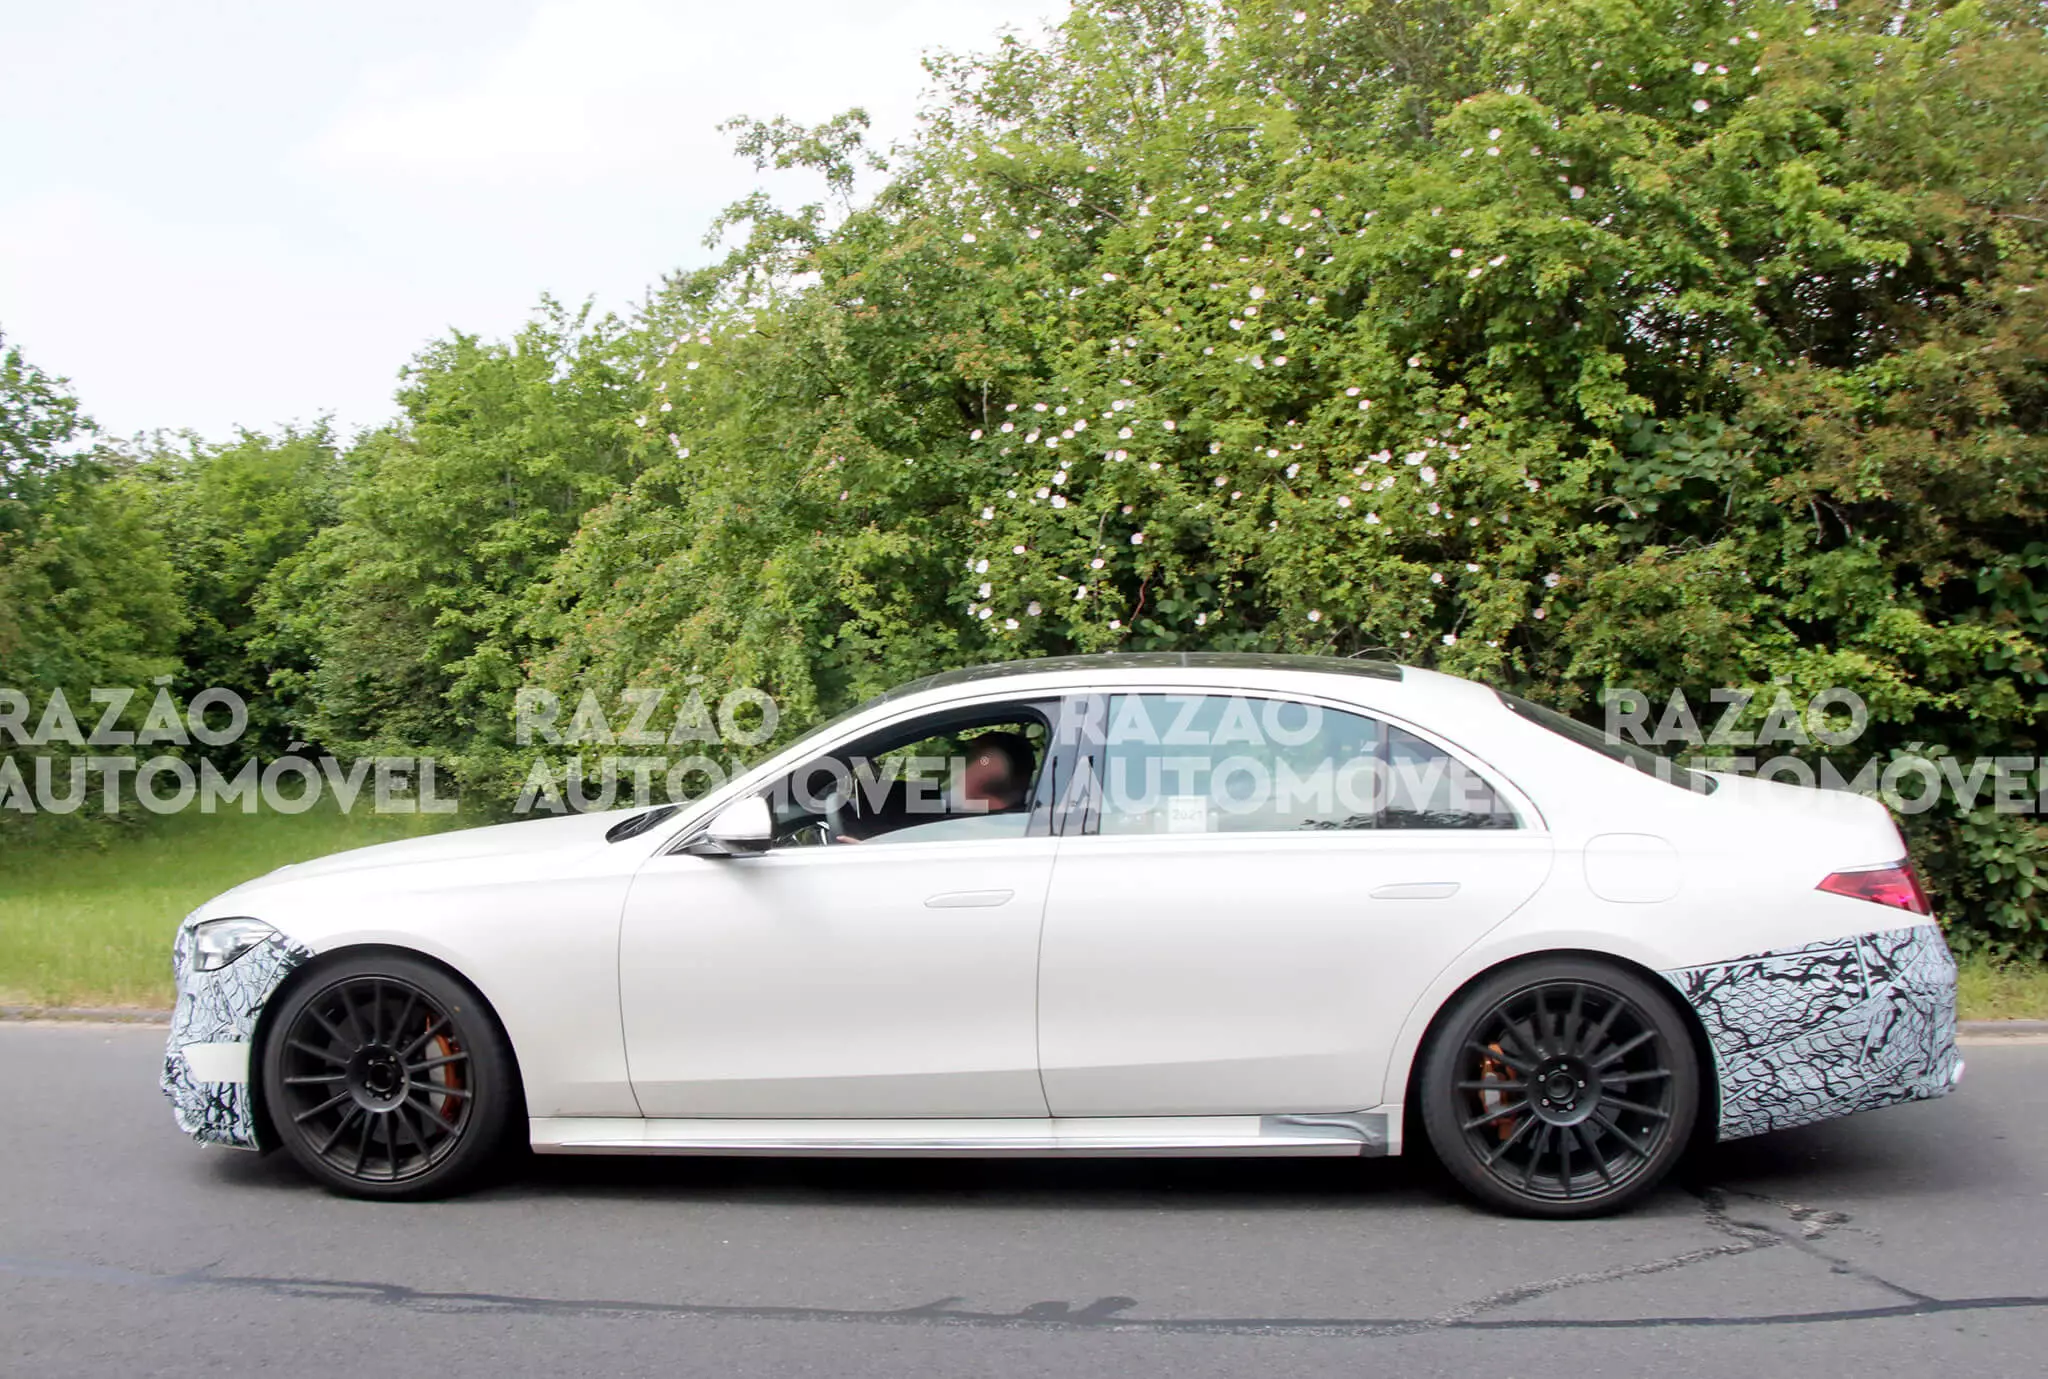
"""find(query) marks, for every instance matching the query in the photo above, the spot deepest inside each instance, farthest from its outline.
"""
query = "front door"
(895, 976)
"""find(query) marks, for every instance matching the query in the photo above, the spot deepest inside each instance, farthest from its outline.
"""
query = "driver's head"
(998, 770)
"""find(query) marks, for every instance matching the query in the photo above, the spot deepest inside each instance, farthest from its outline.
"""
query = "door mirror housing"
(742, 827)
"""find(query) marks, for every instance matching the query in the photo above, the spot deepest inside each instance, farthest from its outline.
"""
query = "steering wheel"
(835, 817)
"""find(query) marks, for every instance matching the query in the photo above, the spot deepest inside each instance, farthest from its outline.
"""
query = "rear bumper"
(1807, 1034)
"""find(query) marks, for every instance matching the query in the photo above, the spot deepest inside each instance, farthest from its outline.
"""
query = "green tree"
(87, 596)
(397, 628)
(232, 514)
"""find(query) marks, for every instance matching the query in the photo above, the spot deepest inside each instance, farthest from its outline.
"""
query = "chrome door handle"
(1417, 890)
(966, 900)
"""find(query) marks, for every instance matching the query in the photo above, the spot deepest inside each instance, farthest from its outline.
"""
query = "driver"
(996, 779)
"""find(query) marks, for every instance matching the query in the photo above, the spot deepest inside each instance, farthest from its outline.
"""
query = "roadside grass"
(87, 915)
(1989, 991)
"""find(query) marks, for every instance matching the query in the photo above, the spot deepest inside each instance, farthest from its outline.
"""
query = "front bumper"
(1806, 1034)
(207, 1068)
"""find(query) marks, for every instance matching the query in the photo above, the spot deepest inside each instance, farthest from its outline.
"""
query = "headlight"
(218, 942)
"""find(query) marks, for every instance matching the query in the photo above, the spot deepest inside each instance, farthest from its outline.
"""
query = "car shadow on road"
(1035, 1184)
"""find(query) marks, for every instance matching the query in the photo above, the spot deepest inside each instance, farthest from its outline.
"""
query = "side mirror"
(742, 827)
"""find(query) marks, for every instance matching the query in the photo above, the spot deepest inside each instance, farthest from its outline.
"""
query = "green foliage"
(396, 628)
(231, 515)
(87, 595)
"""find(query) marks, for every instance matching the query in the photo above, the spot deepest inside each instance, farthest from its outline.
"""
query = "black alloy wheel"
(385, 1078)
(1560, 1088)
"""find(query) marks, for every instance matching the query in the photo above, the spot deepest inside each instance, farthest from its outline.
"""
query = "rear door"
(1245, 909)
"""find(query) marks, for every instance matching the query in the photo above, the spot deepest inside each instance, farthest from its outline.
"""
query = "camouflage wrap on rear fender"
(1806, 1034)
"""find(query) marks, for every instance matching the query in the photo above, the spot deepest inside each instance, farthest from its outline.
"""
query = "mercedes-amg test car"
(1130, 904)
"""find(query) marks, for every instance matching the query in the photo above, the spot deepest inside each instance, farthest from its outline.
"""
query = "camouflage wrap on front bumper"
(220, 1007)
(1806, 1034)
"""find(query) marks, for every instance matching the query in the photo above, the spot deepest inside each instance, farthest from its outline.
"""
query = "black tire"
(386, 1078)
(1560, 1088)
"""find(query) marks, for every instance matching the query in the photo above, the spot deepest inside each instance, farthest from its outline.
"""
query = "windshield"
(1627, 753)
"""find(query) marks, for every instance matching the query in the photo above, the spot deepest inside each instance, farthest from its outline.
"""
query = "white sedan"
(1141, 905)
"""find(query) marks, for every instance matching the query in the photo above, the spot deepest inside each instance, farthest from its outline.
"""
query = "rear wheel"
(1560, 1088)
(386, 1078)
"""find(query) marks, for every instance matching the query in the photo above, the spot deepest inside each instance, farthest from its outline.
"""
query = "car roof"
(1147, 660)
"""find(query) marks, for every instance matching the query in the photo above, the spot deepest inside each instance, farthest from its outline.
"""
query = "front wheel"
(386, 1078)
(1559, 1088)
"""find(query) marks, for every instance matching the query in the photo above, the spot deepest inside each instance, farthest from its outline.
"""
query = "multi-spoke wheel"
(385, 1078)
(1563, 1087)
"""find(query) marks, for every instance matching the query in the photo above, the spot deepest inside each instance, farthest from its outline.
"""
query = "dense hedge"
(1570, 345)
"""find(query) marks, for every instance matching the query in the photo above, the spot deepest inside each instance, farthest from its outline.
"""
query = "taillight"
(1895, 885)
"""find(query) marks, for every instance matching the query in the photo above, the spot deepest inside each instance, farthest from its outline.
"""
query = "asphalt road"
(1906, 1241)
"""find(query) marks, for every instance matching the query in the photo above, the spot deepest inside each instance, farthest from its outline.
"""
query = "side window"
(1427, 787)
(1193, 763)
(957, 775)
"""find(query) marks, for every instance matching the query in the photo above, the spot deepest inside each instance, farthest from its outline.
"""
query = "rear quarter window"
(1627, 753)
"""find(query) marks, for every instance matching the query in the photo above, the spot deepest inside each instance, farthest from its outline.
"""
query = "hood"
(569, 835)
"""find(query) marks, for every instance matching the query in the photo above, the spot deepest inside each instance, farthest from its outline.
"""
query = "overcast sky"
(245, 212)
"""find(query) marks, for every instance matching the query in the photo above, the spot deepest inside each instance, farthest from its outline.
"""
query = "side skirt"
(1368, 1134)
